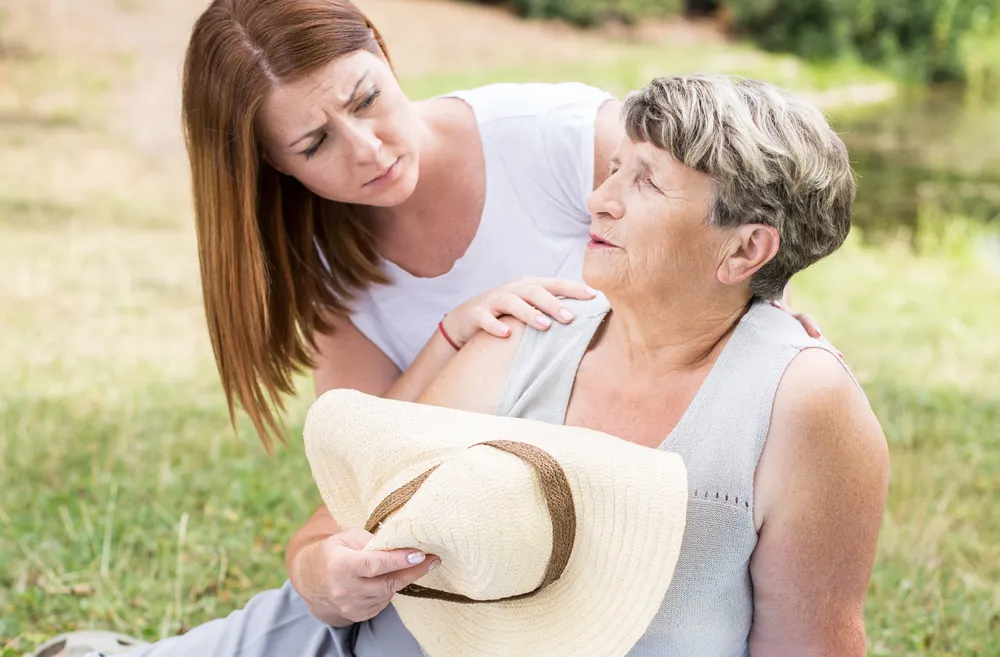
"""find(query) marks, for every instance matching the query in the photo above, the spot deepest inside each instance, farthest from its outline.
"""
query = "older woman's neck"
(664, 338)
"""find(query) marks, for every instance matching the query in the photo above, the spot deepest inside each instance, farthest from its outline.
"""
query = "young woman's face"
(346, 131)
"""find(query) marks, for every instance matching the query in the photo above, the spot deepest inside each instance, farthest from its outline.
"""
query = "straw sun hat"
(553, 540)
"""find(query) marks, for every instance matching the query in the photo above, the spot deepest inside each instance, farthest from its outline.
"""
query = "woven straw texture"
(483, 512)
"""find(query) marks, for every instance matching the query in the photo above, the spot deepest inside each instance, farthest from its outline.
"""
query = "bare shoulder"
(821, 424)
(474, 378)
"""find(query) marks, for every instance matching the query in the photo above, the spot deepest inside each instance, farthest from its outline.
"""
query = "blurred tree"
(922, 40)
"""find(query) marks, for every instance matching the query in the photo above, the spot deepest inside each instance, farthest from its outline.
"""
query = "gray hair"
(773, 159)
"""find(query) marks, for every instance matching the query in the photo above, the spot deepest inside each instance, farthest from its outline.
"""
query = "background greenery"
(919, 40)
(127, 503)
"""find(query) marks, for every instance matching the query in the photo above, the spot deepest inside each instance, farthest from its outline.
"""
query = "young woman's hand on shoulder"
(534, 301)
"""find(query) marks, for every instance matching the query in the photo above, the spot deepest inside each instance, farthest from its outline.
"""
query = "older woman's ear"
(750, 247)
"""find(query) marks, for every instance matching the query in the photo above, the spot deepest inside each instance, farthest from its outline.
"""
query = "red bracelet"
(447, 337)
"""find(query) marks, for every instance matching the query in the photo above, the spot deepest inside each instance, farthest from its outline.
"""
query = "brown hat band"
(558, 497)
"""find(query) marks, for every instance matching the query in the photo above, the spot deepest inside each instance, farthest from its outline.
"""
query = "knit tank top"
(708, 609)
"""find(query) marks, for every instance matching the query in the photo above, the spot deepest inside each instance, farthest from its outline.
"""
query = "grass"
(128, 503)
(624, 69)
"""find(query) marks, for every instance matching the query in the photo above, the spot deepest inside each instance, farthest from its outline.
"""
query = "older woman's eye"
(648, 180)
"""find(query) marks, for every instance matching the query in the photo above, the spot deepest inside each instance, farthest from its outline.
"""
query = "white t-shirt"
(538, 142)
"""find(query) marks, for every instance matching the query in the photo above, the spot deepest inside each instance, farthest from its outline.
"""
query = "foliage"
(921, 40)
(592, 12)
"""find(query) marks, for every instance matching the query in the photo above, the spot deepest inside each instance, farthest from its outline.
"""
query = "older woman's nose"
(603, 201)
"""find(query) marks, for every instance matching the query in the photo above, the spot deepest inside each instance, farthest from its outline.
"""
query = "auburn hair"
(278, 263)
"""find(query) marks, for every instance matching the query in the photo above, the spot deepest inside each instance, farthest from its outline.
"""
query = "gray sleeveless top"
(708, 609)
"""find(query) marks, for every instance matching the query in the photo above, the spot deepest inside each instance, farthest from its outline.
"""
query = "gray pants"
(277, 623)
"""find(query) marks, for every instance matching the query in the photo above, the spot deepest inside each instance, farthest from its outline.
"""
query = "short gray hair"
(773, 159)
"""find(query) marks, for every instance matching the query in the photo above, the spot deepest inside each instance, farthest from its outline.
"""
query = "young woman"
(347, 229)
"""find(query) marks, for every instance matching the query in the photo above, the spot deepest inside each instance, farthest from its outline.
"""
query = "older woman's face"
(649, 228)
(346, 131)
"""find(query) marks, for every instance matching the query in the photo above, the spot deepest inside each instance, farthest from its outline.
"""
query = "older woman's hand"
(342, 583)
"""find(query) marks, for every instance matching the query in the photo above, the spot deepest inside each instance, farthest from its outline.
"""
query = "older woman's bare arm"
(820, 492)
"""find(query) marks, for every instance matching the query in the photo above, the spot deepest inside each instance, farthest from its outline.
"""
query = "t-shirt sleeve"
(568, 141)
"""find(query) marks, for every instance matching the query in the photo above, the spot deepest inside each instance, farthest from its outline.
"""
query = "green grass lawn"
(127, 502)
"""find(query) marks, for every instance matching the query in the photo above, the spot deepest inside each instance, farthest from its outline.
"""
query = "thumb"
(354, 538)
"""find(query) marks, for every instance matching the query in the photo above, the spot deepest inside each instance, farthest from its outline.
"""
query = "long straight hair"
(278, 263)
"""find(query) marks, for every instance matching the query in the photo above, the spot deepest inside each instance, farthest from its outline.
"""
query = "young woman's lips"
(386, 176)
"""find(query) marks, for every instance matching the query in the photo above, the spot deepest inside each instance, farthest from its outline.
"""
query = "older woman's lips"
(387, 176)
(596, 242)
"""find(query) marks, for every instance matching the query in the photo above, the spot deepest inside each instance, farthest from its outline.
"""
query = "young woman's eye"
(309, 152)
(370, 99)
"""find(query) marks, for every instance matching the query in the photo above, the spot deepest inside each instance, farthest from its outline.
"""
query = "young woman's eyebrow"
(351, 99)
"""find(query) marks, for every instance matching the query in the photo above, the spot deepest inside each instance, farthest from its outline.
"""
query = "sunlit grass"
(627, 68)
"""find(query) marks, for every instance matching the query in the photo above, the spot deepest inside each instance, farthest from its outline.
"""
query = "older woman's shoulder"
(822, 426)
(818, 387)
(597, 307)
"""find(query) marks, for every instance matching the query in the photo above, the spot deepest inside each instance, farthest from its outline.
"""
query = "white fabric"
(538, 142)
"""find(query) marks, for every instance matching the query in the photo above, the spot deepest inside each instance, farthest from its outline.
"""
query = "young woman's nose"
(363, 142)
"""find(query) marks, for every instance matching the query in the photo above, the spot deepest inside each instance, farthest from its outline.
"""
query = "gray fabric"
(708, 609)
(276, 622)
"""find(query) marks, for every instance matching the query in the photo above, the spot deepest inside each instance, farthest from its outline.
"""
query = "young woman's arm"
(819, 495)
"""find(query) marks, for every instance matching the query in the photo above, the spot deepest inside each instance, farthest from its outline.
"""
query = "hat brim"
(631, 506)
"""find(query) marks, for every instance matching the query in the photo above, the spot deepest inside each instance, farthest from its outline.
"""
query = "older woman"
(721, 191)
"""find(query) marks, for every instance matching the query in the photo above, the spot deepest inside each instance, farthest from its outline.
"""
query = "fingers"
(536, 301)
(388, 585)
(514, 304)
(562, 287)
(543, 300)
(808, 323)
(376, 563)
(354, 538)
(373, 595)
(488, 322)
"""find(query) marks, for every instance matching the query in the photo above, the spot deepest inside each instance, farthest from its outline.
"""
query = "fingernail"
(565, 314)
(840, 355)
(542, 320)
(818, 332)
(416, 557)
(504, 330)
(775, 303)
(591, 291)
(434, 564)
